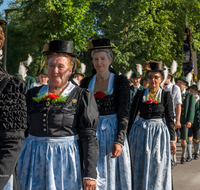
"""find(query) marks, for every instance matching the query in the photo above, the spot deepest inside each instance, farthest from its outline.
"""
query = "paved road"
(186, 176)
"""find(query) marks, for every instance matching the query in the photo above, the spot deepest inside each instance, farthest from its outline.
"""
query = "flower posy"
(151, 98)
(53, 98)
(99, 94)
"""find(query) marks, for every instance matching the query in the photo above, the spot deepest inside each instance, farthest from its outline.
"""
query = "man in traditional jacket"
(187, 118)
(13, 123)
(194, 131)
(28, 79)
(136, 78)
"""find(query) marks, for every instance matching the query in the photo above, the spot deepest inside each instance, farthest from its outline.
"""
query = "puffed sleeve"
(169, 114)
(123, 108)
(87, 123)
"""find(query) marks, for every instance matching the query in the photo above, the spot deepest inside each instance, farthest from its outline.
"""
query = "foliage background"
(140, 30)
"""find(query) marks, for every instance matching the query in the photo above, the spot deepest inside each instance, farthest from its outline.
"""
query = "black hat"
(59, 46)
(3, 22)
(153, 66)
(99, 44)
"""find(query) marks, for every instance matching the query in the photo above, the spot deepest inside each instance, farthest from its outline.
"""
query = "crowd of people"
(99, 132)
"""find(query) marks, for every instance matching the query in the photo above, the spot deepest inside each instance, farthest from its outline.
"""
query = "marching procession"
(106, 131)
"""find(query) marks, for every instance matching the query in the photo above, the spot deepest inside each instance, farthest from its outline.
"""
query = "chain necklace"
(102, 77)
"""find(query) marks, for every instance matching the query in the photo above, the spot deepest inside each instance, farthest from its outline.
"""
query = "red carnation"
(169, 71)
(129, 79)
(51, 96)
(99, 94)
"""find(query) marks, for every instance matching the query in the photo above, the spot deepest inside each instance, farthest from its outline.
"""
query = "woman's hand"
(116, 150)
(89, 184)
(173, 148)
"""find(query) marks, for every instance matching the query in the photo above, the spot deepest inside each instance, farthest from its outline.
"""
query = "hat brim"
(101, 47)
(50, 52)
(182, 80)
(194, 88)
(3, 22)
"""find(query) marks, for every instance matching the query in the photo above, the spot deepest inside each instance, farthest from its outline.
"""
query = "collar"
(66, 92)
(25, 75)
(137, 87)
(169, 85)
(183, 92)
(197, 99)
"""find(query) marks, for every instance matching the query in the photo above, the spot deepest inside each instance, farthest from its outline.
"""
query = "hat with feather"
(183, 78)
(22, 70)
(28, 62)
(81, 70)
(128, 75)
(195, 86)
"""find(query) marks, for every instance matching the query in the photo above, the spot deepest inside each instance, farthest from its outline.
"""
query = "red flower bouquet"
(52, 96)
(151, 100)
(99, 94)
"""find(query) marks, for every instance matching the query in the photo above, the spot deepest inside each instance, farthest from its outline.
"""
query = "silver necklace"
(102, 77)
(56, 88)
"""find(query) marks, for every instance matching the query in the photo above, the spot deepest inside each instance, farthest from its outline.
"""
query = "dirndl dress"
(149, 142)
(112, 173)
(50, 163)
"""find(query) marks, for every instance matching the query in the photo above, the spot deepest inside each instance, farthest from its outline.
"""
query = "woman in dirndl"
(62, 121)
(151, 139)
(112, 94)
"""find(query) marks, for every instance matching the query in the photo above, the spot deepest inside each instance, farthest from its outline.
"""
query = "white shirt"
(136, 87)
(183, 92)
(196, 99)
(176, 96)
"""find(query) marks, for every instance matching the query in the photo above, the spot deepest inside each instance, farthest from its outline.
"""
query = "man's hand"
(89, 184)
(177, 125)
(173, 148)
(188, 125)
(116, 150)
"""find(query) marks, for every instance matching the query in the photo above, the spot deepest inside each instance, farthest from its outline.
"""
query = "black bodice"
(78, 115)
(116, 103)
(13, 111)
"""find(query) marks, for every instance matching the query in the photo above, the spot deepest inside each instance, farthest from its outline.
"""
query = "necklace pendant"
(47, 103)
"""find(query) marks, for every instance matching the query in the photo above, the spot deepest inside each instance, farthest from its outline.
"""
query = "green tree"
(145, 30)
(40, 21)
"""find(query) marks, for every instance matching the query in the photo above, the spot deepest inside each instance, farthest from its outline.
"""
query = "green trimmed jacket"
(187, 108)
(196, 123)
(29, 81)
(133, 93)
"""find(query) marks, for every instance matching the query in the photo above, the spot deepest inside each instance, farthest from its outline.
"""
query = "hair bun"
(2, 38)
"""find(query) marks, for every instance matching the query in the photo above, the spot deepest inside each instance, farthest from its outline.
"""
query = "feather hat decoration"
(189, 78)
(198, 85)
(165, 76)
(83, 68)
(22, 69)
(139, 69)
(174, 67)
(29, 60)
(128, 75)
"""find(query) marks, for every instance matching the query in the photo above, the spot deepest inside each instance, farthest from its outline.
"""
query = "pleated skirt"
(112, 173)
(149, 142)
(49, 164)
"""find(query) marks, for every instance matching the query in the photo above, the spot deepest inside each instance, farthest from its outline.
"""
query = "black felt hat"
(3, 22)
(59, 46)
(153, 66)
(99, 44)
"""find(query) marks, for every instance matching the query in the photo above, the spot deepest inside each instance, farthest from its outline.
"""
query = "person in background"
(187, 118)
(136, 78)
(43, 77)
(112, 93)
(13, 123)
(177, 101)
(194, 131)
(151, 139)
(145, 82)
